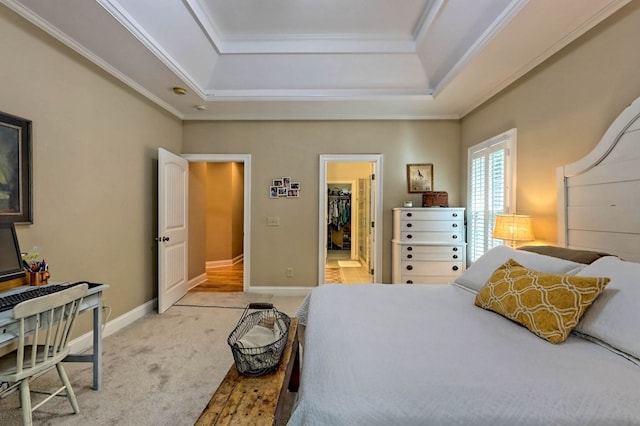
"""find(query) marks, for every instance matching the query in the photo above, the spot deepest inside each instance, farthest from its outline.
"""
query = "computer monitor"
(11, 266)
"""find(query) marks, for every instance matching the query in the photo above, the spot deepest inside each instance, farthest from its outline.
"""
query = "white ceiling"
(317, 59)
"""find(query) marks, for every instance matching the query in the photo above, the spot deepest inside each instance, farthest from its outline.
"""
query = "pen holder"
(38, 278)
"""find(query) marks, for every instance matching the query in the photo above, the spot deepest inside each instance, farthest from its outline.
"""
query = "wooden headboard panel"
(599, 195)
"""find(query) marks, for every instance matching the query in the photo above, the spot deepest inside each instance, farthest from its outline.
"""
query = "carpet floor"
(160, 370)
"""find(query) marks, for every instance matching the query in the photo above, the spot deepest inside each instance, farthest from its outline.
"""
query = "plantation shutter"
(491, 166)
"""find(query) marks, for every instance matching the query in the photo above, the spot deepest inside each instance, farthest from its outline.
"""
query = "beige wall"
(237, 212)
(197, 218)
(225, 197)
(94, 164)
(292, 148)
(219, 206)
(216, 213)
(561, 110)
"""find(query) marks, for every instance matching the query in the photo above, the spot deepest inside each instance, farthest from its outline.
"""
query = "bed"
(524, 337)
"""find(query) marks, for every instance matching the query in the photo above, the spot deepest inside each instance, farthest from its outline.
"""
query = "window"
(492, 166)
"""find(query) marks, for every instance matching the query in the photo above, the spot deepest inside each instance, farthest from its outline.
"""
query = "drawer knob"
(409, 267)
(409, 248)
(455, 237)
(455, 268)
(409, 256)
(455, 249)
(409, 214)
(409, 225)
(409, 282)
(455, 256)
(455, 215)
(409, 236)
(455, 225)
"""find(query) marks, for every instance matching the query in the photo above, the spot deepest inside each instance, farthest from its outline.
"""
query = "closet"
(339, 217)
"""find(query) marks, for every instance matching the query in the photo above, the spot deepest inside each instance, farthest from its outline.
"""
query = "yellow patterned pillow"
(549, 305)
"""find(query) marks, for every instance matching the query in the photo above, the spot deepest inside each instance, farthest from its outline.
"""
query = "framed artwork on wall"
(284, 187)
(15, 169)
(420, 177)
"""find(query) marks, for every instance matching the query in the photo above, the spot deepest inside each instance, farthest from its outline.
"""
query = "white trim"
(119, 13)
(218, 263)
(85, 341)
(200, 279)
(376, 214)
(507, 15)
(224, 263)
(238, 158)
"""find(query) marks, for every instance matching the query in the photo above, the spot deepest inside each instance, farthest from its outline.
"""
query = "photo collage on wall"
(284, 188)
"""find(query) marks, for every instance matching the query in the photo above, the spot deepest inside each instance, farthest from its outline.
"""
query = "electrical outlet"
(289, 272)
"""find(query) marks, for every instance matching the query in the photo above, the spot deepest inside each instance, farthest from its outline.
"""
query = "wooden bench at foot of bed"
(249, 400)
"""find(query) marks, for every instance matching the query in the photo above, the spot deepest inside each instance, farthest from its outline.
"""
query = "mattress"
(407, 355)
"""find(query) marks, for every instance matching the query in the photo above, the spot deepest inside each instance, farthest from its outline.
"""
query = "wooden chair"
(45, 326)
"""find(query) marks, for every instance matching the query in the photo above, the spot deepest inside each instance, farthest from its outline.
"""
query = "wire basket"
(259, 360)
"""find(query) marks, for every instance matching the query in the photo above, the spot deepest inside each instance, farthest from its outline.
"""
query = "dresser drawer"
(431, 214)
(432, 237)
(431, 253)
(413, 267)
(427, 279)
(431, 225)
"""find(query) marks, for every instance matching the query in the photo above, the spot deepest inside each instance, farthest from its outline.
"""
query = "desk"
(93, 300)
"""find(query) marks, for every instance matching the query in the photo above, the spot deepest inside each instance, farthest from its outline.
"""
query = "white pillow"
(614, 317)
(481, 270)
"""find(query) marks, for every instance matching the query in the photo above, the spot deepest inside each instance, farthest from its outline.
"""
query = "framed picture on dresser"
(15, 169)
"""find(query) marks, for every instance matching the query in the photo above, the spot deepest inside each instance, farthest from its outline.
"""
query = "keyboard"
(9, 301)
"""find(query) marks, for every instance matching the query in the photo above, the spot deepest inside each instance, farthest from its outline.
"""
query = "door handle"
(162, 239)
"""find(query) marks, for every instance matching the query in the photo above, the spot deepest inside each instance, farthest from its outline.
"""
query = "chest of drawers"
(428, 245)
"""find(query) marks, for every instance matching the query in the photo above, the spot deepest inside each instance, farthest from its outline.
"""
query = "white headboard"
(599, 195)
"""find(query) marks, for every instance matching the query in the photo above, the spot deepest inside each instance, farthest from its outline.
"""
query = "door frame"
(246, 238)
(376, 209)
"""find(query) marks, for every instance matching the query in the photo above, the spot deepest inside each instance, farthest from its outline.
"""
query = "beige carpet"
(160, 370)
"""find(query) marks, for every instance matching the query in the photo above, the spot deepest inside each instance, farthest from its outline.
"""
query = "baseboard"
(200, 279)
(85, 341)
(223, 263)
(282, 291)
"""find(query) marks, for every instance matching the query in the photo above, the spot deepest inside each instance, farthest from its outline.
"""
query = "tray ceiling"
(312, 59)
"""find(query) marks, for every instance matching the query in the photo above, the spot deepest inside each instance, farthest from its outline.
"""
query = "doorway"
(228, 260)
(350, 198)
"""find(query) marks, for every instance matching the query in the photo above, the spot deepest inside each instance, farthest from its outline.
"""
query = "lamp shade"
(513, 227)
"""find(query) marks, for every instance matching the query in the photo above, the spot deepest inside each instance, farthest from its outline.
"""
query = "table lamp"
(513, 227)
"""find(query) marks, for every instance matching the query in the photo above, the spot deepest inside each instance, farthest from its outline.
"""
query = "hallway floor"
(226, 278)
(346, 274)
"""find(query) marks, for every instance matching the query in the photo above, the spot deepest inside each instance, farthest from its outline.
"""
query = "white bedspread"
(425, 355)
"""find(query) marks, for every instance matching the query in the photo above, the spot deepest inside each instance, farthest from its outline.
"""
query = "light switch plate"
(273, 221)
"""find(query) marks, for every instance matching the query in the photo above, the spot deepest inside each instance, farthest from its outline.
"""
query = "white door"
(173, 187)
